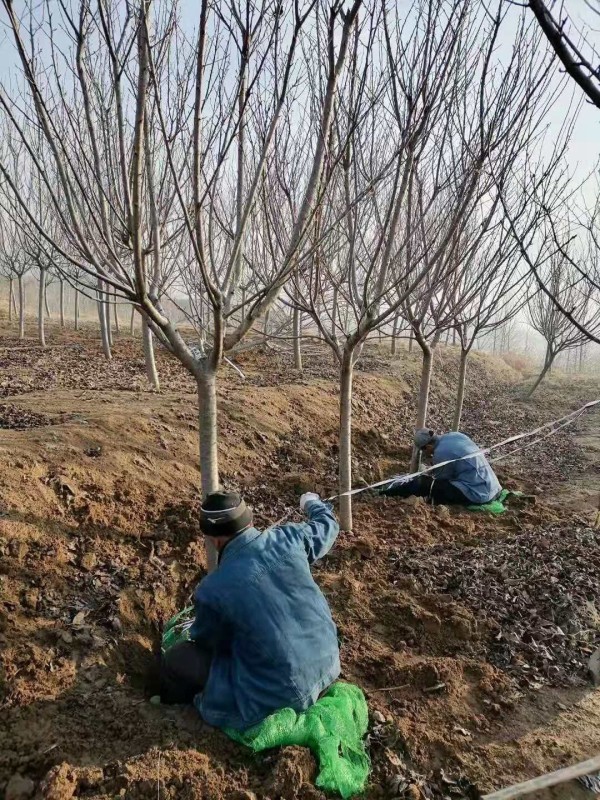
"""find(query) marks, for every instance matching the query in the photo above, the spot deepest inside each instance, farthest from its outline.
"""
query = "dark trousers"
(184, 672)
(440, 491)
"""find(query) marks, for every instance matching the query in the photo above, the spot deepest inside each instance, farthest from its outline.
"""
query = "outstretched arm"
(319, 533)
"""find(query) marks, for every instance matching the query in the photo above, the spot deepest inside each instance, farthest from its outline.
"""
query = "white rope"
(561, 422)
(546, 781)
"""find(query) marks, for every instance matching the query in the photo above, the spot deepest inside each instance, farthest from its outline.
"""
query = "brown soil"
(99, 547)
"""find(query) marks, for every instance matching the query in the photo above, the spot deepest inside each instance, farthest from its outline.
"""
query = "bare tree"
(147, 179)
(572, 291)
(572, 44)
(496, 123)
(493, 290)
(14, 267)
(401, 186)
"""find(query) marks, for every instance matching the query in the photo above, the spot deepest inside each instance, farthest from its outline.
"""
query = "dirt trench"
(99, 546)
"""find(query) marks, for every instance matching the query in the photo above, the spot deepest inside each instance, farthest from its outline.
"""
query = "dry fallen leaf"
(79, 618)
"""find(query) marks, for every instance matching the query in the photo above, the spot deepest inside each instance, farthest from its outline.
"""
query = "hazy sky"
(584, 150)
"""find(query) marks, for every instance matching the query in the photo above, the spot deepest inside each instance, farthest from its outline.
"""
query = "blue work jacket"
(473, 476)
(267, 623)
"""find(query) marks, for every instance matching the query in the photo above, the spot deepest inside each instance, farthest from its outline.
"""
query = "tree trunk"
(345, 454)
(41, 304)
(21, 307)
(460, 394)
(548, 361)
(109, 331)
(46, 306)
(334, 310)
(426, 369)
(266, 322)
(394, 336)
(117, 326)
(76, 312)
(207, 429)
(62, 304)
(102, 319)
(454, 336)
(132, 322)
(11, 299)
(151, 371)
(411, 339)
(297, 339)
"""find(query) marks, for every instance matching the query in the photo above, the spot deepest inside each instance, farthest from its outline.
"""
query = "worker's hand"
(308, 497)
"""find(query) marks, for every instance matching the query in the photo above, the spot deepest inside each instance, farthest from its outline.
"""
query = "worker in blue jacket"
(263, 636)
(470, 480)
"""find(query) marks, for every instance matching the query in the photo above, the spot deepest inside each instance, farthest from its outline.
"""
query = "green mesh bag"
(177, 629)
(333, 728)
(496, 506)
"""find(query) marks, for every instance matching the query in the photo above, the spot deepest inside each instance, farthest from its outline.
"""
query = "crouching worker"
(469, 481)
(263, 636)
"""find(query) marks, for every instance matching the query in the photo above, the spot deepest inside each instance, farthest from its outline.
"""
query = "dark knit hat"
(224, 514)
(425, 436)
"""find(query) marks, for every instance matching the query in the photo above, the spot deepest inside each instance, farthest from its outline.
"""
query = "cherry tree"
(414, 152)
(572, 291)
(157, 149)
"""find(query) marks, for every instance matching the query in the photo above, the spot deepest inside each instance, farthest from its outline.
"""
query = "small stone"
(19, 788)
(116, 624)
(89, 777)
(59, 784)
(378, 717)
(31, 598)
(18, 549)
(155, 700)
(88, 561)
(162, 548)
(461, 627)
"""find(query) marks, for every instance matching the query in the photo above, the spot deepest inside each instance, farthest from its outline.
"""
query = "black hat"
(224, 514)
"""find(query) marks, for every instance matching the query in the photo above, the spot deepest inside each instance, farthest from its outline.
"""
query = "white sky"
(584, 149)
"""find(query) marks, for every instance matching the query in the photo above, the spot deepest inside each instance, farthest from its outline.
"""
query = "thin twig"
(389, 689)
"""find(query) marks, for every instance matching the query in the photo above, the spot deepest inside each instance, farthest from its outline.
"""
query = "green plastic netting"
(496, 506)
(334, 729)
(177, 629)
